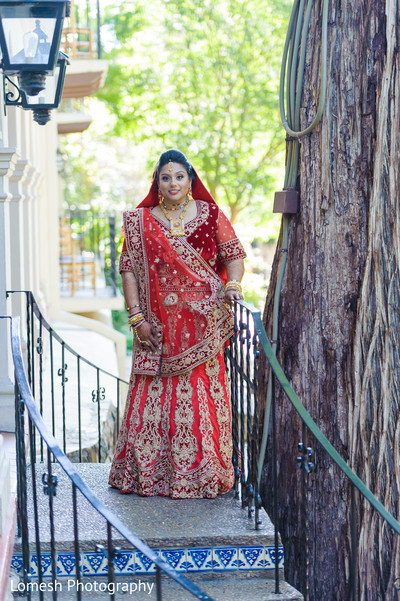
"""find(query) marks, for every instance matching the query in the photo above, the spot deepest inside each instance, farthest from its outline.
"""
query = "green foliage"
(120, 323)
(203, 76)
(81, 186)
(124, 19)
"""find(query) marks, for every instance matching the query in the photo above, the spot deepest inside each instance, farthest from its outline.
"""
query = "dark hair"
(176, 156)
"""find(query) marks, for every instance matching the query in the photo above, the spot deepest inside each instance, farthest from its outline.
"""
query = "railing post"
(32, 435)
(76, 542)
(28, 337)
(235, 410)
(21, 486)
(158, 583)
(110, 561)
(78, 371)
(49, 488)
(275, 481)
(257, 498)
(113, 254)
(39, 350)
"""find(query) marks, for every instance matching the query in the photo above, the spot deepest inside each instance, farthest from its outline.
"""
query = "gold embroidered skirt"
(175, 439)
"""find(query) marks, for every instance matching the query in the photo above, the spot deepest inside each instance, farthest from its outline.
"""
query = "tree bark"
(340, 310)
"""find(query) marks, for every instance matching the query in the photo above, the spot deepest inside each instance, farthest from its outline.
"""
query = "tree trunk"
(340, 310)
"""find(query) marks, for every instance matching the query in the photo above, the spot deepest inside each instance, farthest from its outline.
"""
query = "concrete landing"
(158, 521)
(209, 541)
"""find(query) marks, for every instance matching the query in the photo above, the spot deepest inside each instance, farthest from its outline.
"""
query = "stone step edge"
(129, 562)
(177, 542)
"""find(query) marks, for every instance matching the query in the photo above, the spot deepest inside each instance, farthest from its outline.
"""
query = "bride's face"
(174, 183)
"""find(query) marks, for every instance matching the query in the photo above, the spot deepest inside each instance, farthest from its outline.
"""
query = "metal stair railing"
(69, 387)
(251, 338)
(29, 426)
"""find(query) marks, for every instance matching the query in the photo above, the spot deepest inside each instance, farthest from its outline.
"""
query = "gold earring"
(190, 197)
(160, 196)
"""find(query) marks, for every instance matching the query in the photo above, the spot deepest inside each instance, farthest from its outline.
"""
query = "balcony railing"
(81, 37)
(94, 238)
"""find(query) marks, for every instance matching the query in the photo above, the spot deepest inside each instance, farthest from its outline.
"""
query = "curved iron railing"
(258, 336)
(74, 395)
(241, 362)
(26, 435)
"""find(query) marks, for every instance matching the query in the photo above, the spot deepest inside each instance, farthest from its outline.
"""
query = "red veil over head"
(199, 192)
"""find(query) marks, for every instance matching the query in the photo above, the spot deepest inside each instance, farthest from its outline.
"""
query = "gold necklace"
(176, 207)
(177, 226)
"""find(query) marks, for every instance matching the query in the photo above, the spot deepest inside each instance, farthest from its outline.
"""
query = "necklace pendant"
(177, 227)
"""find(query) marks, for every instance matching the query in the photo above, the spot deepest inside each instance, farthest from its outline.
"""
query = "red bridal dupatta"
(181, 295)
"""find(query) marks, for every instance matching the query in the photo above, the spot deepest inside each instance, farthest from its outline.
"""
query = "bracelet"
(233, 284)
(138, 324)
(132, 307)
(138, 337)
(135, 319)
(134, 313)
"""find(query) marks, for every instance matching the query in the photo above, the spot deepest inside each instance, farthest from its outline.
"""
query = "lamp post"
(41, 103)
(30, 34)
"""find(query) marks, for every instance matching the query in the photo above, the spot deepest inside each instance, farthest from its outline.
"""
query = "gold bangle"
(135, 318)
(233, 285)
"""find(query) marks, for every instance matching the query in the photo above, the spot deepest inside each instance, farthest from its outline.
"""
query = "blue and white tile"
(16, 563)
(66, 564)
(45, 564)
(144, 565)
(225, 559)
(199, 560)
(270, 557)
(251, 558)
(94, 564)
(124, 562)
(176, 558)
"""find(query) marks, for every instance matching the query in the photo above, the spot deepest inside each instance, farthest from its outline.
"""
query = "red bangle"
(132, 307)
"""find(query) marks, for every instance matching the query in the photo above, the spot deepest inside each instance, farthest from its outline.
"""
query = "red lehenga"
(175, 439)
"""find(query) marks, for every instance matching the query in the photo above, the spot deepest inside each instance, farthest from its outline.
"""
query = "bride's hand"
(231, 294)
(147, 336)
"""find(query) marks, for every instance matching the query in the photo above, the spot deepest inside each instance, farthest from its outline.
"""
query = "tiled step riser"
(130, 563)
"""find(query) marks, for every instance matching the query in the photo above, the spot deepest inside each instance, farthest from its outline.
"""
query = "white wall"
(28, 229)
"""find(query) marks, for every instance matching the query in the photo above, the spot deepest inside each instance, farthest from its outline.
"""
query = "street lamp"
(41, 103)
(30, 35)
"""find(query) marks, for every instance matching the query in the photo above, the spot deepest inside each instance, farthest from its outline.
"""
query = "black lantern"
(41, 103)
(30, 35)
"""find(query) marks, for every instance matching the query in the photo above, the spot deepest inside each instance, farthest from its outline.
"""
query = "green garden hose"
(292, 71)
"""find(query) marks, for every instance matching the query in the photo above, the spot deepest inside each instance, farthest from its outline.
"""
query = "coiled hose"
(292, 72)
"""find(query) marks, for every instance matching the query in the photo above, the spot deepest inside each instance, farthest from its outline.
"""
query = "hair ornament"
(170, 166)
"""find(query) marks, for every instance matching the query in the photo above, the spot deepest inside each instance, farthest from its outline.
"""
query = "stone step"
(209, 539)
(158, 521)
(227, 588)
(191, 534)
